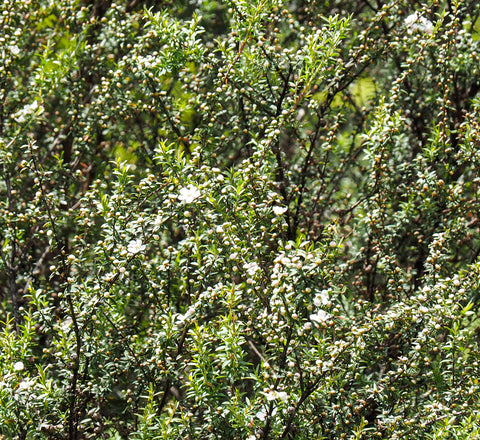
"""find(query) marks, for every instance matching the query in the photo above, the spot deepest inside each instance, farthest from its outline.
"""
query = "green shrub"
(239, 220)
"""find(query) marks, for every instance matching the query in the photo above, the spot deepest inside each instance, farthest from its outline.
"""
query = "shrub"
(239, 220)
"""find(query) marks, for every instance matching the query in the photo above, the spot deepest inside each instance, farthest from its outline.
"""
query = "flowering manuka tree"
(239, 220)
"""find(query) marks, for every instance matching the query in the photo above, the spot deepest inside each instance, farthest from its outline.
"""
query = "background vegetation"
(240, 220)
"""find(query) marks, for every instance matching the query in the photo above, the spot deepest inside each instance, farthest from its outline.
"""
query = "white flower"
(252, 268)
(108, 277)
(320, 316)
(148, 62)
(18, 366)
(415, 22)
(280, 395)
(279, 210)
(182, 318)
(30, 109)
(262, 414)
(65, 326)
(25, 384)
(412, 18)
(14, 50)
(321, 298)
(189, 194)
(135, 246)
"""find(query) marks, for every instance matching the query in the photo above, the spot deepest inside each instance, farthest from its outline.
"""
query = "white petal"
(18, 366)
(279, 210)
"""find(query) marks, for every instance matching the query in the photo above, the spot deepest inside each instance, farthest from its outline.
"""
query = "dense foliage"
(250, 219)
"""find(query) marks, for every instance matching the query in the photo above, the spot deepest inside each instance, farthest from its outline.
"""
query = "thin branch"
(11, 266)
